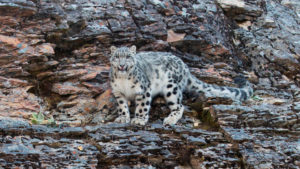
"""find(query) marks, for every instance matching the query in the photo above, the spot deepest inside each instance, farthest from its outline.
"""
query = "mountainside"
(54, 64)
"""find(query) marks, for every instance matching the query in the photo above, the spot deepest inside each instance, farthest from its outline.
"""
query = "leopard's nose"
(122, 66)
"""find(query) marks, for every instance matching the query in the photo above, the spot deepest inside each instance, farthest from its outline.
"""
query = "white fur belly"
(158, 85)
(124, 86)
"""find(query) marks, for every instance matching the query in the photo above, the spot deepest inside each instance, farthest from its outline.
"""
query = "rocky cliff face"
(54, 60)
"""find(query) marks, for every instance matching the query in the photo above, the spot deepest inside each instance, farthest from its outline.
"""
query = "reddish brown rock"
(212, 75)
(74, 73)
(18, 8)
(8, 20)
(12, 82)
(96, 87)
(43, 75)
(105, 100)
(12, 41)
(54, 59)
(45, 49)
(173, 37)
(89, 76)
(18, 103)
(68, 88)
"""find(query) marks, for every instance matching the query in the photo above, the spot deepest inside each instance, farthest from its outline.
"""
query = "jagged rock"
(273, 37)
(297, 106)
(259, 141)
(112, 145)
(241, 10)
(54, 59)
(68, 88)
(17, 8)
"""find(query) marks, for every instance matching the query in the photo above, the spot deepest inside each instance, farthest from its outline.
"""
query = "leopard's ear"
(133, 49)
(113, 49)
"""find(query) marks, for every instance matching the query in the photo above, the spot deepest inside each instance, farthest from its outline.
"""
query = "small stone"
(173, 37)
(245, 25)
(269, 22)
(43, 75)
(220, 65)
(227, 4)
(206, 108)
(45, 49)
(275, 101)
(52, 63)
(296, 106)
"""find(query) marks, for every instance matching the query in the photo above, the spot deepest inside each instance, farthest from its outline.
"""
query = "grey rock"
(44, 44)
(241, 10)
(296, 106)
(19, 8)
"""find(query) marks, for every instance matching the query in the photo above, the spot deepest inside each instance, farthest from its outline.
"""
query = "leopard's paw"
(122, 119)
(139, 121)
(170, 120)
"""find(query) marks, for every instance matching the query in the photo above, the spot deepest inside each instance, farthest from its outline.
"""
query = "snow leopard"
(141, 76)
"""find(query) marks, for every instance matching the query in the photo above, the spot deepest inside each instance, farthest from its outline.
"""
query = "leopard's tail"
(236, 94)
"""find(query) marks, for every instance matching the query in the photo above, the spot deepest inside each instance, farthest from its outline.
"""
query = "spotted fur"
(141, 76)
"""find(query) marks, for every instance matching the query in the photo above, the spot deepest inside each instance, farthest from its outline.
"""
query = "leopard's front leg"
(143, 102)
(123, 111)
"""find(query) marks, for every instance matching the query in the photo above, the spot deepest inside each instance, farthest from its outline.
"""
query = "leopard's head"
(122, 59)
